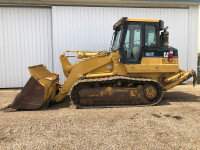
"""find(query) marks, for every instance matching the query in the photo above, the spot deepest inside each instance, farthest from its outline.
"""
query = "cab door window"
(133, 42)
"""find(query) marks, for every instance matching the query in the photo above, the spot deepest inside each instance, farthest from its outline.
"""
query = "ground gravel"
(173, 124)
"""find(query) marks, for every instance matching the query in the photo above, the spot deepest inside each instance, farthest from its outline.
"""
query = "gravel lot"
(173, 124)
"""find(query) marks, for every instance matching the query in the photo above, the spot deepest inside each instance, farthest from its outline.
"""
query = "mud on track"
(173, 124)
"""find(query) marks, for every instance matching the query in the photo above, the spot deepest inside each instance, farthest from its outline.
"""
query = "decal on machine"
(165, 54)
(149, 54)
(108, 66)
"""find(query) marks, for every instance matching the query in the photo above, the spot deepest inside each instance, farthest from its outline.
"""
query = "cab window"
(150, 35)
(133, 41)
(116, 42)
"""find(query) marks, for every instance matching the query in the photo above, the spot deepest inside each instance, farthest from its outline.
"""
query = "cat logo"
(166, 54)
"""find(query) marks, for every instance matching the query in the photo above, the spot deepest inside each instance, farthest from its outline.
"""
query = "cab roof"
(124, 19)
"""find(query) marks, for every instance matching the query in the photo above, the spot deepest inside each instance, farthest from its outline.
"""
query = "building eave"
(103, 3)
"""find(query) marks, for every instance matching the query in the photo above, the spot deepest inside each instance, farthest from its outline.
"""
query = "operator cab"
(137, 38)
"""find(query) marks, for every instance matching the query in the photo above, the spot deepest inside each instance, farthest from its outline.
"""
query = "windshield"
(116, 42)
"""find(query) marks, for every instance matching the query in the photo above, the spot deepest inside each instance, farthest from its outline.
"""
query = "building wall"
(31, 36)
(90, 28)
(193, 36)
(199, 32)
(107, 3)
(25, 40)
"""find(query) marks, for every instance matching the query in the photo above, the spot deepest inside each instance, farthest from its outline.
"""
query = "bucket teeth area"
(38, 91)
(31, 97)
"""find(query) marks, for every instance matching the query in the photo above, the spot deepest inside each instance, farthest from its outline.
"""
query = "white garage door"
(25, 39)
(91, 28)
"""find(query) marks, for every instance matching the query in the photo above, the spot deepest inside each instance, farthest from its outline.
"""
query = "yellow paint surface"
(142, 20)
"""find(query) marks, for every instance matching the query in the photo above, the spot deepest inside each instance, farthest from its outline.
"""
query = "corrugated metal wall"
(91, 28)
(25, 39)
(193, 37)
(26, 35)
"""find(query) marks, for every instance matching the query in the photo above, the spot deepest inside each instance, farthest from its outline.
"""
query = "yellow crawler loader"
(139, 67)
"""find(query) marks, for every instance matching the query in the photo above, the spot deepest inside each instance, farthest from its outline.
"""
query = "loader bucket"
(38, 91)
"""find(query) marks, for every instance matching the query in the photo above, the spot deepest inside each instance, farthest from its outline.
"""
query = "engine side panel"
(150, 65)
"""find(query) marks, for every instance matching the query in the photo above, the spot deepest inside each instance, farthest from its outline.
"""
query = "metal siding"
(198, 55)
(193, 37)
(25, 40)
(91, 28)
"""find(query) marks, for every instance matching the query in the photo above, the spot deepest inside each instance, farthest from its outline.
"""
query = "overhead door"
(91, 28)
(25, 40)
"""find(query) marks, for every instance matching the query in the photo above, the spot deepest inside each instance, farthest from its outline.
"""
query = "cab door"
(142, 48)
(133, 42)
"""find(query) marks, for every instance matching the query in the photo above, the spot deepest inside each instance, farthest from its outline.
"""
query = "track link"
(122, 87)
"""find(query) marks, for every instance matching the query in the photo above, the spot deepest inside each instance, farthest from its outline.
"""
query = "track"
(116, 91)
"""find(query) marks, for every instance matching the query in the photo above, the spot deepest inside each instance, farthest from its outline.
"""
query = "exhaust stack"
(165, 37)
